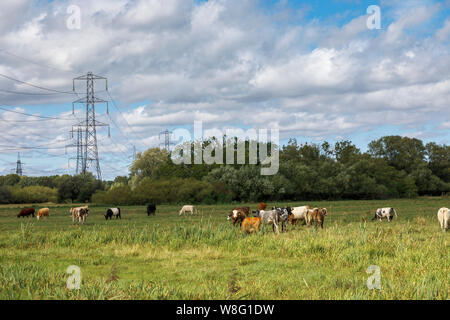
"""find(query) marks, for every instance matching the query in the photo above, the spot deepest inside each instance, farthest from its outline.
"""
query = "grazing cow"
(79, 214)
(387, 213)
(270, 217)
(26, 212)
(151, 209)
(283, 216)
(187, 208)
(317, 216)
(113, 212)
(245, 210)
(444, 218)
(298, 213)
(262, 206)
(250, 225)
(238, 215)
(44, 212)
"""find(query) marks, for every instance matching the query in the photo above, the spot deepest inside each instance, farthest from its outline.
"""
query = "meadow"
(205, 257)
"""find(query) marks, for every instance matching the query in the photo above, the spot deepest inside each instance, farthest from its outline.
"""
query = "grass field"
(204, 257)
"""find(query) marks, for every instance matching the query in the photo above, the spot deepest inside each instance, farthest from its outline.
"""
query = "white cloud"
(229, 65)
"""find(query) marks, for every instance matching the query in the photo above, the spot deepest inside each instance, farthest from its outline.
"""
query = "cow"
(113, 212)
(262, 206)
(387, 213)
(187, 208)
(79, 214)
(26, 212)
(317, 216)
(245, 210)
(298, 213)
(270, 217)
(151, 209)
(283, 216)
(44, 212)
(237, 215)
(250, 225)
(443, 217)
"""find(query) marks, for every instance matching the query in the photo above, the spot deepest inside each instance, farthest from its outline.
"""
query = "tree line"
(392, 167)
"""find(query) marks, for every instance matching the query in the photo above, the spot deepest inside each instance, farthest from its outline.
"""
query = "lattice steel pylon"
(19, 165)
(90, 150)
(167, 142)
(79, 145)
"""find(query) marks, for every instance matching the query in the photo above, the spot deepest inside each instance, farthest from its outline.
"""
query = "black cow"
(151, 209)
(113, 212)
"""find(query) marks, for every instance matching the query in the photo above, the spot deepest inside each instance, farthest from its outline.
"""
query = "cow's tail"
(395, 213)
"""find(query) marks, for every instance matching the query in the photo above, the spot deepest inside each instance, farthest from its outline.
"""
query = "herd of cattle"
(248, 221)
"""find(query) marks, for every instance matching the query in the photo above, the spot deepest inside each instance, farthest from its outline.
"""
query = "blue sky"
(310, 68)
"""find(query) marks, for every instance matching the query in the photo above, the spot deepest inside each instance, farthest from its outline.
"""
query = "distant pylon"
(90, 150)
(19, 166)
(79, 145)
(167, 143)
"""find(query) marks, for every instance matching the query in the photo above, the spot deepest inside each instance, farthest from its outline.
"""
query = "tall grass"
(205, 257)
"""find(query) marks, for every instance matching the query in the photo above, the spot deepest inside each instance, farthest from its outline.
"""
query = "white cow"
(444, 217)
(387, 213)
(187, 208)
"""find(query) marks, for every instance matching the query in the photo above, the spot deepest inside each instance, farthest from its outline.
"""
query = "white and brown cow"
(299, 213)
(79, 214)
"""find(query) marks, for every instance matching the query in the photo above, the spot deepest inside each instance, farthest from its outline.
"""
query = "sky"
(312, 69)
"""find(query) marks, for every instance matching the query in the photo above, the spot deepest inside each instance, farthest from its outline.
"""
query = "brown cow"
(238, 215)
(262, 206)
(44, 212)
(26, 212)
(250, 225)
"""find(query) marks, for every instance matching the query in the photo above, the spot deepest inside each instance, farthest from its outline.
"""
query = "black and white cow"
(283, 216)
(112, 212)
(270, 217)
(151, 209)
(385, 213)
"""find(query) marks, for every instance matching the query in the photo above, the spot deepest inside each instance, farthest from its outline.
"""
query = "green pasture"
(205, 257)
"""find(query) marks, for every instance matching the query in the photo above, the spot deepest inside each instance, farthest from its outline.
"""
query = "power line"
(33, 62)
(33, 85)
(31, 115)
(28, 93)
(123, 117)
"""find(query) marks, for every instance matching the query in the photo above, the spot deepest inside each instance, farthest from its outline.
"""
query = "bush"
(33, 194)
(5, 195)
(173, 190)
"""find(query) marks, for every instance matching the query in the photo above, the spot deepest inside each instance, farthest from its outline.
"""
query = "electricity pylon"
(167, 143)
(90, 150)
(19, 165)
